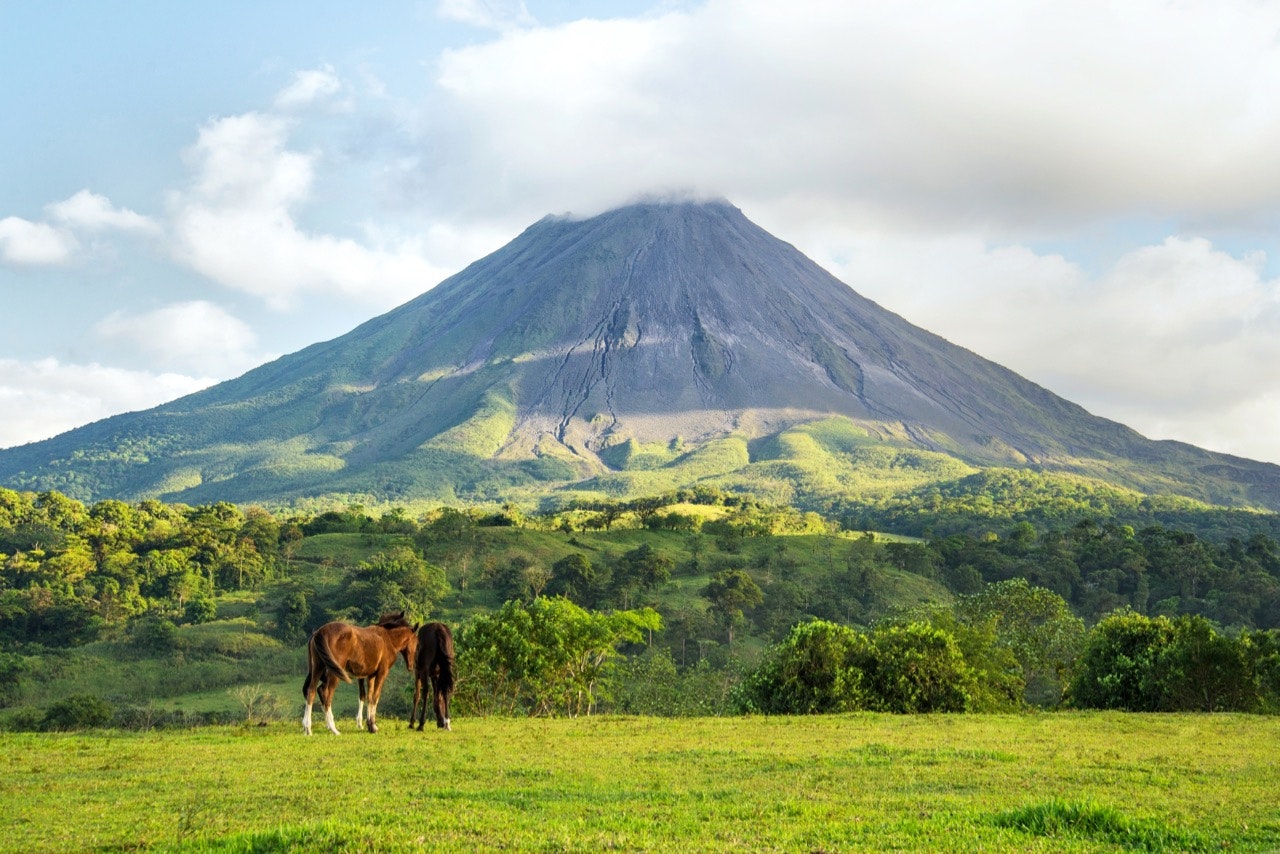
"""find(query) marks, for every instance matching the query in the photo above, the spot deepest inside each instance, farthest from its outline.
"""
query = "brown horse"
(341, 651)
(434, 662)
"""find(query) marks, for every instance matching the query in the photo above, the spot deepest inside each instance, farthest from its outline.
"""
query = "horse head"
(410, 649)
(403, 634)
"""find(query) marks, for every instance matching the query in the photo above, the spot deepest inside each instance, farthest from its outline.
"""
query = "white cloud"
(92, 212)
(195, 336)
(309, 87)
(236, 223)
(34, 243)
(489, 14)
(43, 398)
(43, 243)
(1013, 113)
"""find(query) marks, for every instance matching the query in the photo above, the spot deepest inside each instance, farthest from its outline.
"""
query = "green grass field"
(1049, 782)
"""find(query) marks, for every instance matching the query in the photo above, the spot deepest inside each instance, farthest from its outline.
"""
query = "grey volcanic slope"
(649, 322)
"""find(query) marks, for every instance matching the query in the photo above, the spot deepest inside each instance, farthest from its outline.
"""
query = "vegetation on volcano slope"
(872, 476)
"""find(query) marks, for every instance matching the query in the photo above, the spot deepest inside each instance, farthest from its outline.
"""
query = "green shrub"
(824, 667)
(652, 684)
(79, 711)
(918, 668)
(153, 634)
(816, 669)
(1156, 664)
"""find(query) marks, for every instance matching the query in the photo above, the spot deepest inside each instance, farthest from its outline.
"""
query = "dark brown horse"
(342, 651)
(435, 663)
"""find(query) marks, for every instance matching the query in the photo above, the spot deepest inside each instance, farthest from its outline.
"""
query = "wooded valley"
(692, 602)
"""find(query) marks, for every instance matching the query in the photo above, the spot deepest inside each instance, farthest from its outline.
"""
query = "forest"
(696, 601)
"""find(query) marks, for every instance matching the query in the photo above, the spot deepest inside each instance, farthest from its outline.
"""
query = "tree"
(154, 634)
(544, 657)
(1115, 670)
(79, 711)
(12, 669)
(292, 617)
(1034, 623)
(642, 568)
(917, 668)
(200, 609)
(995, 680)
(393, 580)
(730, 591)
(1157, 664)
(1264, 661)
(817, 669)
(573, 577)
(1204, 671)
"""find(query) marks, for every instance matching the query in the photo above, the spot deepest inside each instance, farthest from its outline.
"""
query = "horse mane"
(394, 621)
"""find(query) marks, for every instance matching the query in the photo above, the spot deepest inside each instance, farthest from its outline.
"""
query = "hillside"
(653, 346)
(107, 599)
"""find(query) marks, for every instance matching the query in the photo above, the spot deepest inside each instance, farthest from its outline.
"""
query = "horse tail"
(445, 658)
(311, 664)
(319, 647)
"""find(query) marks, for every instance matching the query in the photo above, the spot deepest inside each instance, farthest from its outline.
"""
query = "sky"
(1085, 192)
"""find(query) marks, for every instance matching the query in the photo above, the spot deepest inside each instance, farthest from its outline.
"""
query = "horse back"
(352, 651)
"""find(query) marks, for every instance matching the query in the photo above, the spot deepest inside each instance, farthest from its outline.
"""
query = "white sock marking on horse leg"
(328, 721)
(306, 720)
(359, 714)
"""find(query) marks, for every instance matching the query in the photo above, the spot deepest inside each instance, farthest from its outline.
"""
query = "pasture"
(864, 782)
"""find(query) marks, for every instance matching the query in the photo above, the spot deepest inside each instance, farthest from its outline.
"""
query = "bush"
(12, 669)
(816, 669)
(545, 657)
(824, 667)
(79, 711)
(201, 609)
(918, 668)
(153, 634)
(1154, 664)
(652, 684)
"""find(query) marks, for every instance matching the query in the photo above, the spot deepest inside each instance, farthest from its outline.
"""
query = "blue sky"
(1084, 192)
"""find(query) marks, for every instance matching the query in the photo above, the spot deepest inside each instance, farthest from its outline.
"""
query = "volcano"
(635, 340)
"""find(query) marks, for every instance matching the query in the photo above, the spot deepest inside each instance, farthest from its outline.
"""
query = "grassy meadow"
(1037, 782)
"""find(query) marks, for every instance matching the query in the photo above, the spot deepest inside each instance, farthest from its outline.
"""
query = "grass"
(1061, 782)
(1060, 820)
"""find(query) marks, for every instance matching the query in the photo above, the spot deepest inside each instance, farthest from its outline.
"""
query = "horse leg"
(309, 695)
(315, 677)
(327, 687)
(375, 689)
(441, 705)
(419, 696)
(364, 693)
